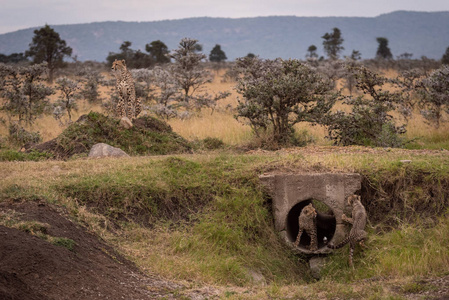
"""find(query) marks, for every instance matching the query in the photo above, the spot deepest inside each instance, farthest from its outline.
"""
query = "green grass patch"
(13, 155)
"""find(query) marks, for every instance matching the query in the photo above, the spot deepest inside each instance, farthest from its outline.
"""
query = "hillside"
(420, 33)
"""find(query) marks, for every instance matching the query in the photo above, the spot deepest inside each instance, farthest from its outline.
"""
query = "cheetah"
(307, 223)
(357, 233)
(128, 105)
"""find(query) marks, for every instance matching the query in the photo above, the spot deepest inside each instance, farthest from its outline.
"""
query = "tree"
(333, 43)
(280, 93)
(12, 58)
(182, 83)
(91, 78)
(312, 52)
(25, 94)
(405, 56)
(434, 95)
(370, 121)
(383, 51)
(69, 95)
(158, 52)
(445, 58)
(134, 58)
(47, 46)
(356, 55)
(217, 55)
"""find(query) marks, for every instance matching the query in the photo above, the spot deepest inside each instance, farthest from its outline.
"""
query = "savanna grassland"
(202, 218)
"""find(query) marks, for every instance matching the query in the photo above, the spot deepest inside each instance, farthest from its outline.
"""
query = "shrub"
(280, 93)
(370, 122)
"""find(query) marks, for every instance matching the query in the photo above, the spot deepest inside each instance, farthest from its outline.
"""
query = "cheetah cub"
(357, 233)
(307, 223)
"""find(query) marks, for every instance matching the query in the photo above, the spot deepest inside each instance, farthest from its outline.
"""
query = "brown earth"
(33, 268)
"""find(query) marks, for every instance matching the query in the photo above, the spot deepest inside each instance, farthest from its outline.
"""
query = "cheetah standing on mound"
(128, 105)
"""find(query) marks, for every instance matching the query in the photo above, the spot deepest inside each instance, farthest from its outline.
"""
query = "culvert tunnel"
(326, 191)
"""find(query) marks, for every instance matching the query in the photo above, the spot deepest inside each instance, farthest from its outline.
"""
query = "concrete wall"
(291, 192)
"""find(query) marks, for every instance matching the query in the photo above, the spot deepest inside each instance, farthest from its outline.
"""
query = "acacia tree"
(91, 79)
(69, 95)
(277, 94)
(25, 94)
(217, 55)
(333, 43)
(370, 121)
(434, 95)
(188, 78)
(158, 52)
(134, 58)
(383, 51)
(312, 52)
(445, 58)
(47, 46)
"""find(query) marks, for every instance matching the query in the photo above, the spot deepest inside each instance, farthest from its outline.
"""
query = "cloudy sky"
(21, 14)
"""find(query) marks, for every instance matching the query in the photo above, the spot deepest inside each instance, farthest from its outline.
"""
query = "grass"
(206, 219)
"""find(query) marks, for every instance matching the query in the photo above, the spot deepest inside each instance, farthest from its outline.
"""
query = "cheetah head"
(118, 64)
(353, 199)
(309, 210)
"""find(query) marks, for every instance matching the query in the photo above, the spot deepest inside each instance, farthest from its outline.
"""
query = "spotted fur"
(307, 223)
(358, 221)
(128, 105)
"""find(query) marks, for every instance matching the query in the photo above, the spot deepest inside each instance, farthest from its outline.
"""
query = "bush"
(20, 136)
(370, 122)
(280, 93)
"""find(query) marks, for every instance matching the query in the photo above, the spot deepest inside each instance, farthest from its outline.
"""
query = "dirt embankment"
(33, 268)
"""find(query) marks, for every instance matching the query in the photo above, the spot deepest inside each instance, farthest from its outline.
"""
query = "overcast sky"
(21, 14)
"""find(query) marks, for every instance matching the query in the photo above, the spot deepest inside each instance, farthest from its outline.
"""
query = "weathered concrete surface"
(291, 192)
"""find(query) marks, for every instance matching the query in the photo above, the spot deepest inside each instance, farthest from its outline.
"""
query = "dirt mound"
(33, 268)
(148, 136)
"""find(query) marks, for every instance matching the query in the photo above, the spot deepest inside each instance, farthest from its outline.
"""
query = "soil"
(33, 268)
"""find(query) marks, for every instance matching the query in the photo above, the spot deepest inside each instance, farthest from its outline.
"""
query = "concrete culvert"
(326, 191)
(326, 224)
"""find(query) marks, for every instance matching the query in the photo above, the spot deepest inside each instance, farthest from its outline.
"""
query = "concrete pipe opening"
(326, 224)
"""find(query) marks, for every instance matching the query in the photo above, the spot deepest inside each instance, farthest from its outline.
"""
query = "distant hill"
(419, 33)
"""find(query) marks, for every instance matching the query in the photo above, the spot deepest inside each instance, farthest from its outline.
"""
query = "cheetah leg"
(137, 107)
(298, 238)
(362, 244)
(313, 240)
(346, 219)
(120, 110)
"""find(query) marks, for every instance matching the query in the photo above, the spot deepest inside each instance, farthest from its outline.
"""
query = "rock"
(126, 123)
(316, 264)
(105, 150)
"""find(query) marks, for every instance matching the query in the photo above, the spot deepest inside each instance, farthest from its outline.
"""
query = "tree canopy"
(217, 55)
(333, 43)
(445, 58)
(383, 51)
(158, 52)
(47, 46)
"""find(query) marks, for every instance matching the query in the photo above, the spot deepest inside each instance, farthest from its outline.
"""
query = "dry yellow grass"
(222, 124)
